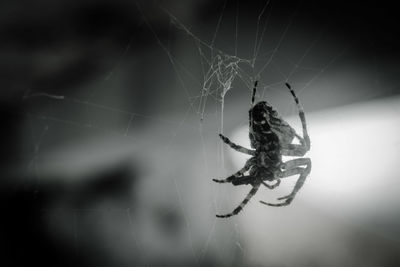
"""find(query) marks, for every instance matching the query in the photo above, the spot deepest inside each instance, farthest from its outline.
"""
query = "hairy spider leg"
(252, 192)
(237, 147)
(294, 149)
(292, 167)
(247, 179)
(239, 173)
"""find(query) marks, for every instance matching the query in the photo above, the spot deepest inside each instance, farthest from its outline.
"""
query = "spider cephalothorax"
(271, 138)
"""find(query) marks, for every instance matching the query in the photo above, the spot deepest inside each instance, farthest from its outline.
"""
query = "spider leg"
(248, 179)
(237, 147)
(244, 180)
(254, 92)
(237, 174)
(293, 166)
(278, 182)
(244, 202)
(274, 204)
(293, 149)
(290, 168)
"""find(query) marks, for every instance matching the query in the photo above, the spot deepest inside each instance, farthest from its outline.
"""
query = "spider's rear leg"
(239, 208)
(292, 167)
(236, 147)
(238, 174)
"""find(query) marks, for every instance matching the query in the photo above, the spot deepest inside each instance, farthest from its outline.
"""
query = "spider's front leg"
(252, 192)
(293, 167)
(239, 173)
(237, 147)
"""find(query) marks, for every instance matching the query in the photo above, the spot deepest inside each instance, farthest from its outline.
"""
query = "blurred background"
(110, 116)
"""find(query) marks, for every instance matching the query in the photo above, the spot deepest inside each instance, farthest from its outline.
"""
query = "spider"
(271, 138)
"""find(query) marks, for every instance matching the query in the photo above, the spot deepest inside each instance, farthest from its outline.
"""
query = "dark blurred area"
(98, 168)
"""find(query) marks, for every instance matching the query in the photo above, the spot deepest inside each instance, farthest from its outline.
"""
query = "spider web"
(220, 66)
